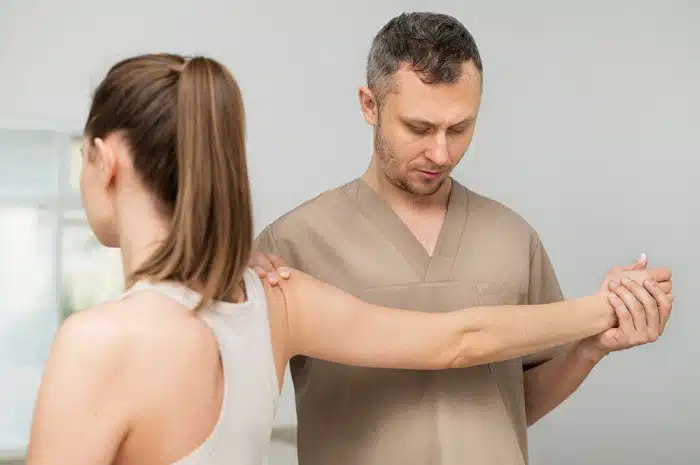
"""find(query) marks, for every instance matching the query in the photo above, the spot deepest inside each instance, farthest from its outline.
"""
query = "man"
(407, 235)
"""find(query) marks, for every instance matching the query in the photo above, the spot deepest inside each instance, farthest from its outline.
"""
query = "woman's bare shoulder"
(288, 293)
(131, 332)
(93, 347)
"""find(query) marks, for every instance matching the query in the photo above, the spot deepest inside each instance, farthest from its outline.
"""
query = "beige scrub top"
(485, 255)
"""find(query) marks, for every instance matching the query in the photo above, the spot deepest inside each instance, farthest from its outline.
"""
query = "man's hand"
(269, 266)
(639, 322)
(642, 311)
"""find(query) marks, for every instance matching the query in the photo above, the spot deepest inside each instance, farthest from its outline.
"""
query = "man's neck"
(423, 215)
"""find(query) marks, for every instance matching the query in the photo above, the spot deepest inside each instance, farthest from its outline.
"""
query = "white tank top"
(241, 435)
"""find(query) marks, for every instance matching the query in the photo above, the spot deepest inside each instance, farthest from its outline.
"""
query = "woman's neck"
(142, 228)
(140, 236)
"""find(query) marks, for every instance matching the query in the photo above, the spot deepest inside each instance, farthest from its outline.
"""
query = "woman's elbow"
(470, 350)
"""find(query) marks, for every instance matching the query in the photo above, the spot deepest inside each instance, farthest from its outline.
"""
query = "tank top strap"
(255, 292)
(176, 291)
(190, 298)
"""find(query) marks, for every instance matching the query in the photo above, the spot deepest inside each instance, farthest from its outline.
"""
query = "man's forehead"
(411, 98)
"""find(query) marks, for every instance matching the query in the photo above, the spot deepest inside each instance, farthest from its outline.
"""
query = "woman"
(185, 367)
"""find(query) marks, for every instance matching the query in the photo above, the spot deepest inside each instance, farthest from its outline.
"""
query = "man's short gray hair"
(433, 45)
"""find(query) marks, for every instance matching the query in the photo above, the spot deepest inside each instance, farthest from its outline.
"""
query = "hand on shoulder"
(270, 267)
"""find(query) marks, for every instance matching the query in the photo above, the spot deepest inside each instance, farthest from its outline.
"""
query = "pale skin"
(426, 130)
(548, 385)
(138, 380)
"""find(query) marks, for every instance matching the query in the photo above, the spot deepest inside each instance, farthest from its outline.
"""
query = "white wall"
(586, 130)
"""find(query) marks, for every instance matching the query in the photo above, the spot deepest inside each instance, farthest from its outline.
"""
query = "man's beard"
(389, 160)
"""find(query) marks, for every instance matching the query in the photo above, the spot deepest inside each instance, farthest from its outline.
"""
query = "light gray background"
(586, 130)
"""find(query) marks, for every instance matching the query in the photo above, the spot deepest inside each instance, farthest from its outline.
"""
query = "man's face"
(423, 130)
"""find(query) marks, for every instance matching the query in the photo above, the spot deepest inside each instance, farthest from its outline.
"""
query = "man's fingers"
(624, 317)
(262, 261)
(664, 302)
(270, 267)
(261, 272)
(666, 286)
(276, 261)
(277, 268)
(273, 278)
(636, 330)
(284, 272)
(638, 300)
(651, 307)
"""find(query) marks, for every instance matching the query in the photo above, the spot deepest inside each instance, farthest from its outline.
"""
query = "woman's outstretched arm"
(325, 322)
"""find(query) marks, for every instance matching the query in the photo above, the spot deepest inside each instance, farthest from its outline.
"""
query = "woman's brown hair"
(183, 120)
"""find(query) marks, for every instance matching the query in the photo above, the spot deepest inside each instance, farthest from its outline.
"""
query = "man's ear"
(369, 105)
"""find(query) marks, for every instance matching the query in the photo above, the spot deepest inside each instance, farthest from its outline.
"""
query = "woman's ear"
(106, 160)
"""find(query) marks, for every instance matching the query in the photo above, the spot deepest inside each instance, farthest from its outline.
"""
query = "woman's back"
(195, 388)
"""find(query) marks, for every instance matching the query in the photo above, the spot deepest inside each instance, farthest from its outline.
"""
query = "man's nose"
(438, 153)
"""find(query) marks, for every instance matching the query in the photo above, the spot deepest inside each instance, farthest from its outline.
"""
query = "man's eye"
(419, 130)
